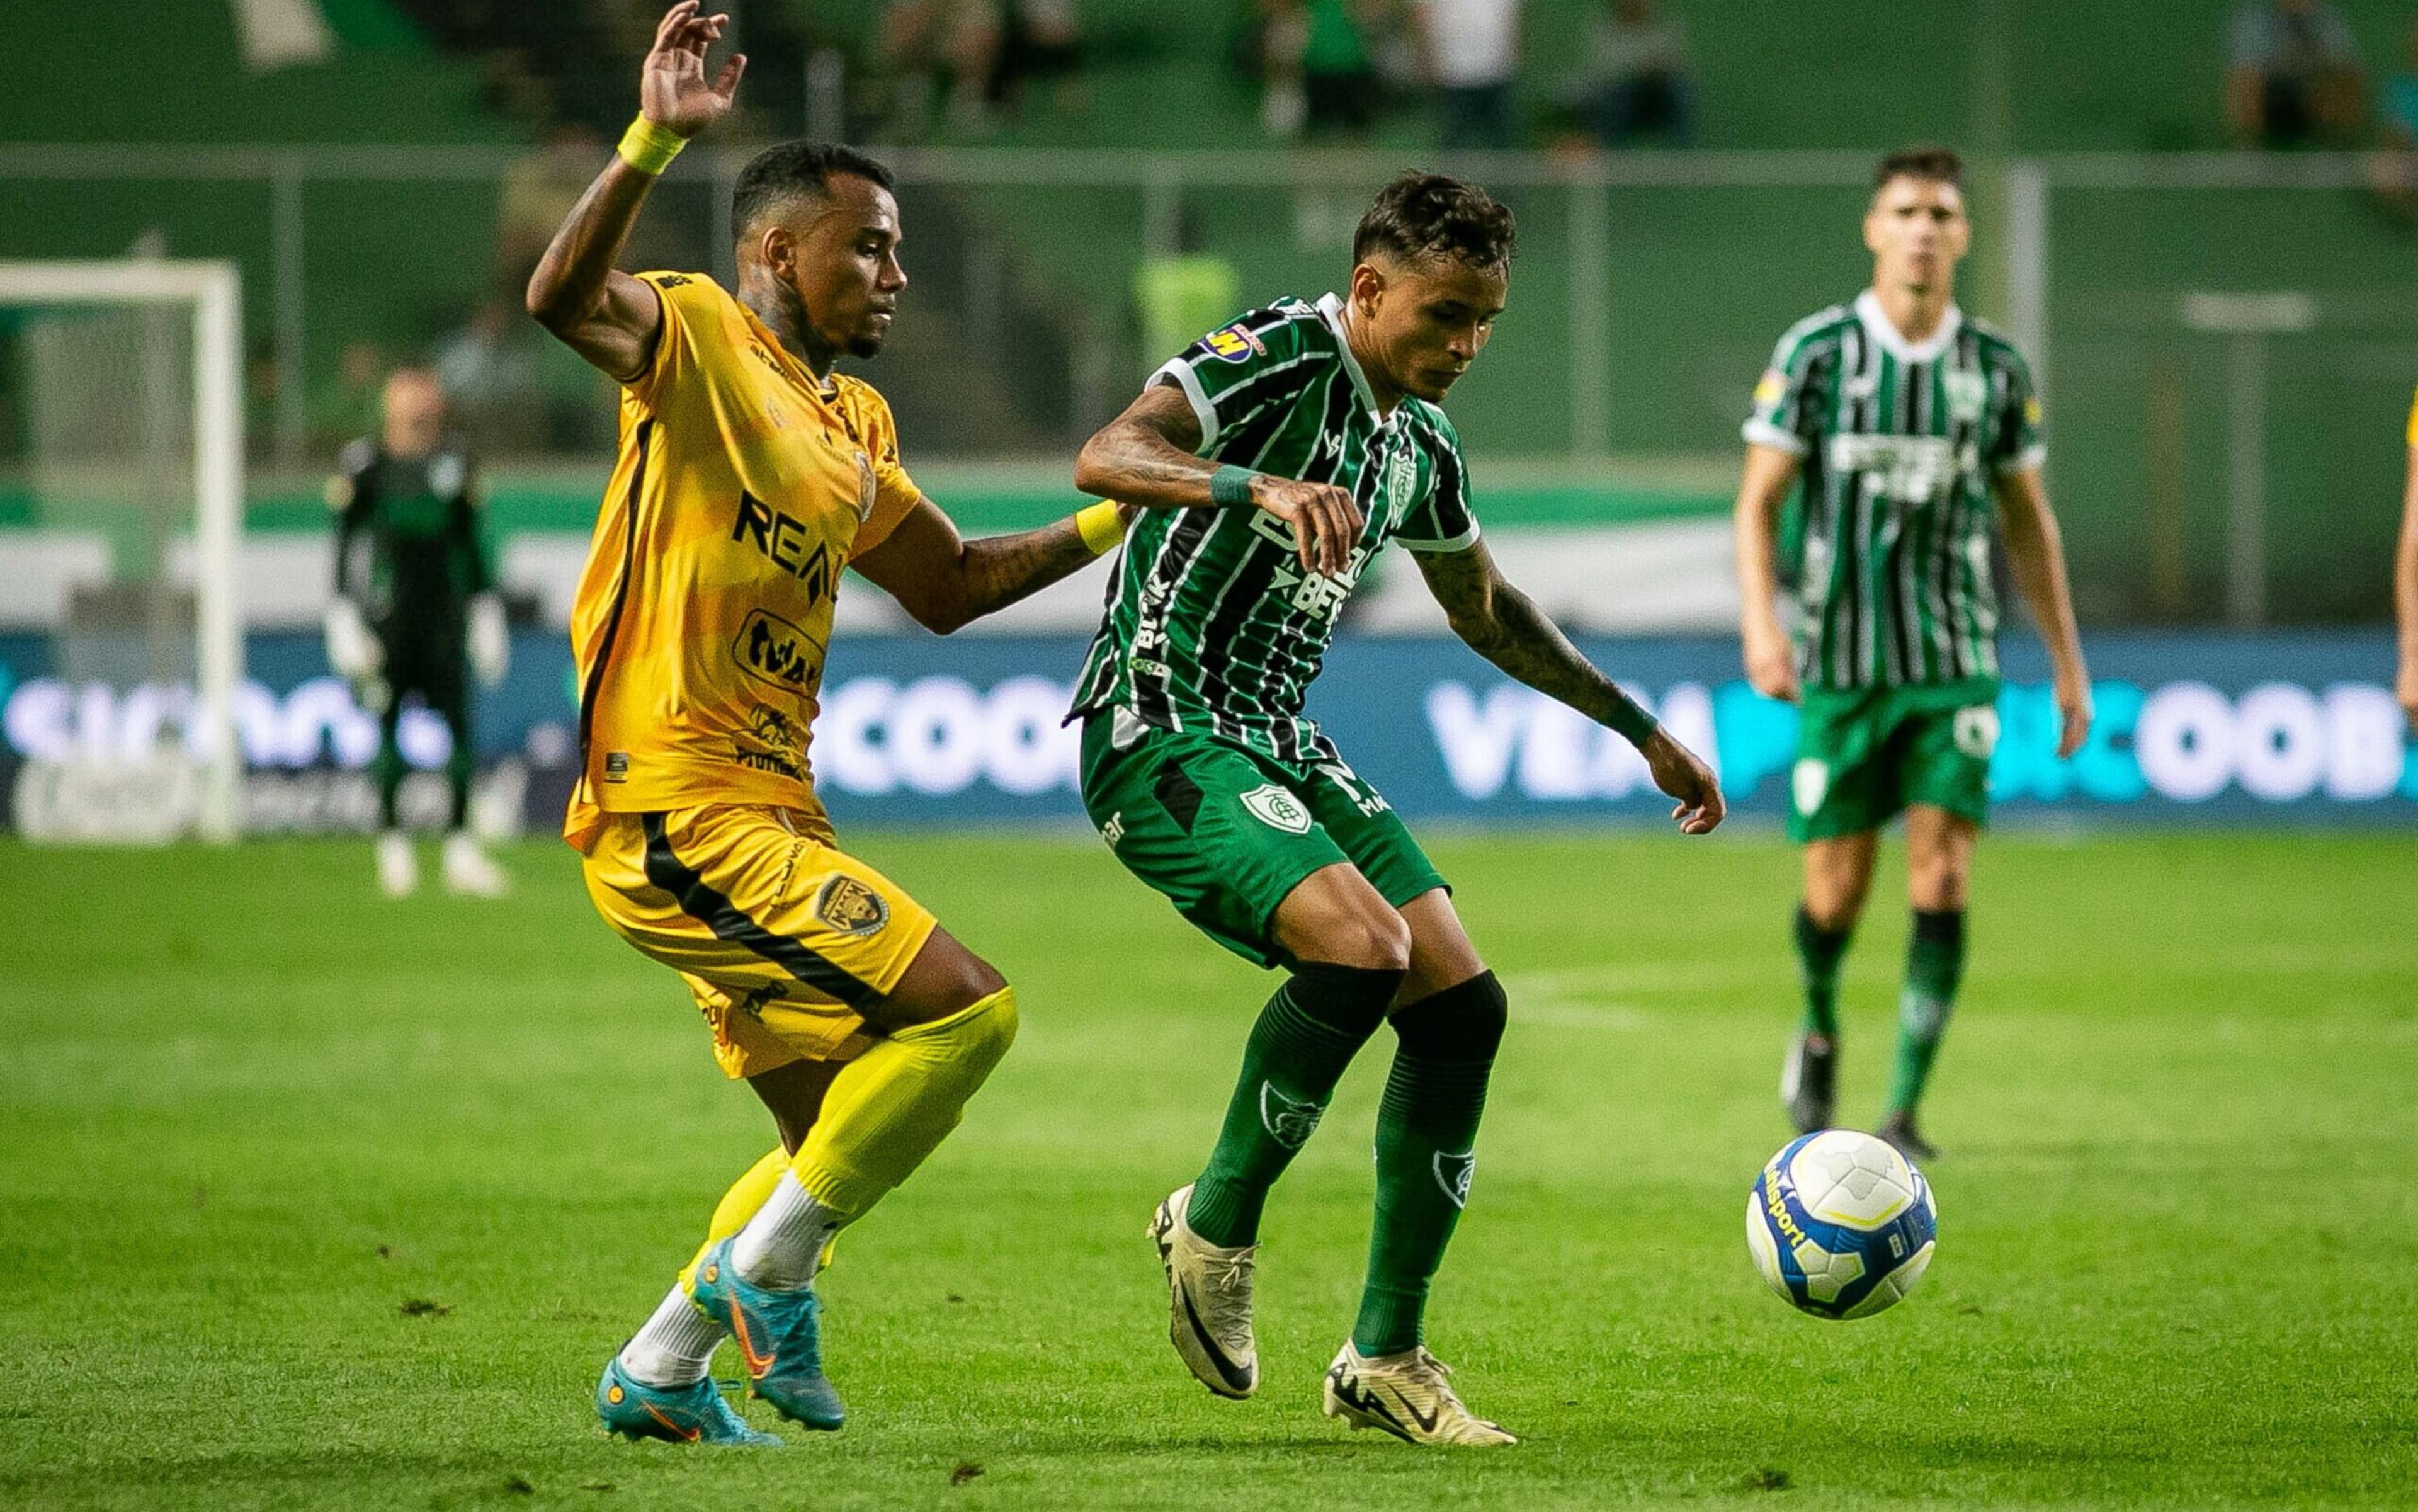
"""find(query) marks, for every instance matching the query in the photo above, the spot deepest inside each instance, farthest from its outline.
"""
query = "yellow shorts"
(781, 936)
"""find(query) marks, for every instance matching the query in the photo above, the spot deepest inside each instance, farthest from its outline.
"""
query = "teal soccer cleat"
(693, 1414)
(780, 1338)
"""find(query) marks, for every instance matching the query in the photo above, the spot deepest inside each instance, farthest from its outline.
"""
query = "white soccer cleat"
(470, 870)
(1208, 1301)
(398, 864)
(1407, 1396)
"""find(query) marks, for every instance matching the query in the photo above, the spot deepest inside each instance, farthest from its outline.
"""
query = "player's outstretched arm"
(2405, 594)
(1770, 473)
(1504, 626)
(1148, 457)
(2036, 557)
(947, 581)
(606, 316)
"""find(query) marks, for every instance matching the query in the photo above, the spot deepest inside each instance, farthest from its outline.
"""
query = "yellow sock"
(737, 1206)
(891, 1106)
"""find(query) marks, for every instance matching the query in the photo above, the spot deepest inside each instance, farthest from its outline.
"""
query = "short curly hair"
(788, 170)
(1421, 216)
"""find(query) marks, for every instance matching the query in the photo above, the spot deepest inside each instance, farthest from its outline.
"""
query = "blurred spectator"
(2394, 171)
(538, 193)
(922, 40)
(489, 371)
(2293, 75)
(1318, 67)
(352, 403)
(1043, 43)
(1636, 81)
(1472, 51)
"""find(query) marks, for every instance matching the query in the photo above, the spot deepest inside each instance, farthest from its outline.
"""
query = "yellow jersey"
(2413, 422)
(742, 487)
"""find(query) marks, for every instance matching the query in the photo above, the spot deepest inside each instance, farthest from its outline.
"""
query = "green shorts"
(1224, 832)
(1862, 757)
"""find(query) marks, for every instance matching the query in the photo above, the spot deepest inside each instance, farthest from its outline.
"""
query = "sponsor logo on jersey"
(1277, 809)
(617, 766)
(1114, 830)
(771, 650)
(852, 907)
(1288, 1120)
(1770, 389)
(783, 540)
(1911, 470)
(1234, 343)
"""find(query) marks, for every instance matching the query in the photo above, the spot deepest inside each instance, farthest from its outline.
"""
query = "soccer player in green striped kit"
(1272, 460)
(1914, 431)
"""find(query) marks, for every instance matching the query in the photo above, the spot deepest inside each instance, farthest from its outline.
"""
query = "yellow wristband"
(1101, 525)
(651, 149)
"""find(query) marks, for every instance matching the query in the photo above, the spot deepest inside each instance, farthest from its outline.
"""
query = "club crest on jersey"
(865, 489)
(1234, 343)
(445, 475)
(1966, 390)
(1402, 475)
(1452, 1173)
(852, 907)
(1289, 1120)
(1277, 809)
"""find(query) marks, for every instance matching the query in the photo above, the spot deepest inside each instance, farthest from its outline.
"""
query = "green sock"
(1427, 1148)
(1819, 951)
(1934, 960)
(1304, 1037)
(387, 768)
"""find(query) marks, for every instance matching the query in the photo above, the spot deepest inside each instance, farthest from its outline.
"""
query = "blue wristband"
(1231, 486)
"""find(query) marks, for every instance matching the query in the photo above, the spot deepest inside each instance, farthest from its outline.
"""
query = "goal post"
(213, 291)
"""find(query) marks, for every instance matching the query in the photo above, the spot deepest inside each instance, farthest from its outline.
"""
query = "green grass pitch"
(310, 1199)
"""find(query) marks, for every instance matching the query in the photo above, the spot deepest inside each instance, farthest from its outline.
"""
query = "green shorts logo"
(1808, 783)
(1277, 809)
(1977, 731)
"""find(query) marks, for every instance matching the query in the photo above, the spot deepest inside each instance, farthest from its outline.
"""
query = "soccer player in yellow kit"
(749, 476)
(2405, 583)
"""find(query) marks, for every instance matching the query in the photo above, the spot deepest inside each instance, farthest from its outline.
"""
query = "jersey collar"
(1330, 309)
(1876, 320)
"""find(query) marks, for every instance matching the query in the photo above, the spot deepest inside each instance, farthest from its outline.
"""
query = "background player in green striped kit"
(1914, 431)
(1272, 460)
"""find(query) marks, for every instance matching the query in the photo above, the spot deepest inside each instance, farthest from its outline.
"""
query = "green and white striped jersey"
(1901, 442)
(1211, 622)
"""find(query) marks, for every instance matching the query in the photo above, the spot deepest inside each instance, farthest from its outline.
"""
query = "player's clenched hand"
(1770, 666)
(1681, 774)
(672, 89)
(2072, 716)
(1325, 523)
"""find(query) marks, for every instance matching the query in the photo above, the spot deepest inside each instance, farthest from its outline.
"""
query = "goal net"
(121, 487)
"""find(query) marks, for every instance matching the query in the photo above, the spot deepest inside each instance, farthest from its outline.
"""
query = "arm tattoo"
(1145, 455)
(1000, 570)
(1504, 626)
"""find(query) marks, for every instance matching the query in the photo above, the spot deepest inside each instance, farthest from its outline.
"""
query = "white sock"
(674, 1346)
(782, 1244)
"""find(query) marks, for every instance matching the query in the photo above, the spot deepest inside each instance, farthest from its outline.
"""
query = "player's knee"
(989, 1031)
(1939, 885)
(1463, 1022)
(1373, 938)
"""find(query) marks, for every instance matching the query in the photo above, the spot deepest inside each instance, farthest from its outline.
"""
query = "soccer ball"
(1840, 1225)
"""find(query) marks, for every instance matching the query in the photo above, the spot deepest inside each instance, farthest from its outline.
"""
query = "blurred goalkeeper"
(416, 610)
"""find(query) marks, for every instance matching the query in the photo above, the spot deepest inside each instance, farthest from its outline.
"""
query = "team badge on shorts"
(1808, 783)
(1277, 809)
(1975, 730)
(852, 907)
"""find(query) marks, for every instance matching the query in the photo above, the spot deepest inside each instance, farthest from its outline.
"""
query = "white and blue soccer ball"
(1840, 1225)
